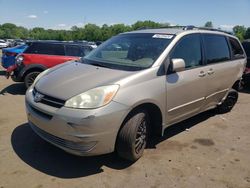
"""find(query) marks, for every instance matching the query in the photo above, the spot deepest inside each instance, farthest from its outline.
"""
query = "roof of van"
(178, 30)
(160, 31)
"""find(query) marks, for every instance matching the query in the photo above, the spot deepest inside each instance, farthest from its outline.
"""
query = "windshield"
(129, 51)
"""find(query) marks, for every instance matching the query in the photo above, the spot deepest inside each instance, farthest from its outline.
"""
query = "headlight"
(39, 76)
(19, 60)
(93, 98)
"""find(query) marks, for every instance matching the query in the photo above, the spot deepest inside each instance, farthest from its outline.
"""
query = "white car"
(3, 44)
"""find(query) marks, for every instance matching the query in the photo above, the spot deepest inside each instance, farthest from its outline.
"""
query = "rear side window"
(74, 50)
(216, 47)
(237, 51)
(45, 48)
(189, 49)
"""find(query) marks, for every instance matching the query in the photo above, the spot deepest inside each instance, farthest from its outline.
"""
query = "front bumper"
(7, 61)
(77, 131)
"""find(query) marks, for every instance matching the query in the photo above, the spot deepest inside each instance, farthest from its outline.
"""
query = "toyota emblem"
(38, 97)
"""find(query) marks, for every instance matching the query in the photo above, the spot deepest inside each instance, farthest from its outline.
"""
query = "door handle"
(210, 71)
(202, 74)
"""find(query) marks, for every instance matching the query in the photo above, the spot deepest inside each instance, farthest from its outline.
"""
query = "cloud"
(62, 25)
(227, 27)
(32, 16)
(45, 12)
(80, 24)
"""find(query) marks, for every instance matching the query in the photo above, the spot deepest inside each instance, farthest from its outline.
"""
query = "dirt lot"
(208, 150)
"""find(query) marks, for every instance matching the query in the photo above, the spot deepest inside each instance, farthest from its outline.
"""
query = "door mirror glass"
(177, 65)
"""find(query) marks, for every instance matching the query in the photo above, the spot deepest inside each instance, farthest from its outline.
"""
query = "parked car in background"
(42, 55)
(114, 100)
(246, 75)
(3, 44)
(19, 42)
(92, 44)
(9, 55)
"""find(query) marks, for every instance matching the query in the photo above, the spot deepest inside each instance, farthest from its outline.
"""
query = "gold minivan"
(134, 85)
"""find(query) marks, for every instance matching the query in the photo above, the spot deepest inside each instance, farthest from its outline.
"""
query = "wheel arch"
(155, 115)
(32, 68)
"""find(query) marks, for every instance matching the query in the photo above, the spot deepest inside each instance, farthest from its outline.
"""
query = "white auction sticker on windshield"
(162, 36)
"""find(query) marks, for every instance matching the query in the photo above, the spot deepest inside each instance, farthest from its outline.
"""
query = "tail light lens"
(19, 60)
(247, 70)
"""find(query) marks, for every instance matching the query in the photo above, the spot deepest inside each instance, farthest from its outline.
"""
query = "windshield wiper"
(98, 65)
(94, 63)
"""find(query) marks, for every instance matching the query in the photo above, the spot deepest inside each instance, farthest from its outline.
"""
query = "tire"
(228, 104)
(30, 78)
(133, 136)
(239, 85)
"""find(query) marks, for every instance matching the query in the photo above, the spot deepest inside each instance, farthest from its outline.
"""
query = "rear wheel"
(133, 136)
(228, 104)
(30, 78)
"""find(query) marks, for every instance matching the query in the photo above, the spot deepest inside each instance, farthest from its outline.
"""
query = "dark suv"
(42, 55)
(246, 75)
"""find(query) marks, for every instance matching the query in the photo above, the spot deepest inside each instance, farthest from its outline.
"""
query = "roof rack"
(191, 27)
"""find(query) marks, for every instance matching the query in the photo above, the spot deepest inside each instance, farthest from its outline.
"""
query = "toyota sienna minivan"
(133, 87)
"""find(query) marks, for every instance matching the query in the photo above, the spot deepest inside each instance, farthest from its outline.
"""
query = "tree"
(209, 24)
(247, 33)
(240, 32)
(92, 32)
(145, 24)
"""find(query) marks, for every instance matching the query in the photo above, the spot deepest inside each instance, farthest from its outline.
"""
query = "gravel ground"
(208, 150)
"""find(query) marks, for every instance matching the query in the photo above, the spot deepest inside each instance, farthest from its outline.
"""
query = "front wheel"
(133, 136)
(30, 78)
(228, 104)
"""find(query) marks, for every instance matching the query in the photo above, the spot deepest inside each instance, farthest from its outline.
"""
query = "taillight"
(10, 53)
(247, 70)
(19, 60)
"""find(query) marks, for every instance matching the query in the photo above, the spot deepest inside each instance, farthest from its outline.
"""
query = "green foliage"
(92, 32)
(209, 24)
(247, 34)
(145, 24)
(240, 31)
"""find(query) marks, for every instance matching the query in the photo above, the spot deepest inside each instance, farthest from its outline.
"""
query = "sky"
(63, 14)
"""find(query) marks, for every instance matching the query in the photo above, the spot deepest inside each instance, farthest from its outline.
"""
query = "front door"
(186, 90)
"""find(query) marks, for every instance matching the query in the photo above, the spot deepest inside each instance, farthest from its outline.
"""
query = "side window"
(34, 48)
(216, 47)
(45, 48)
(53, 49)
(189, 49)
(237, 51)
(74, 50)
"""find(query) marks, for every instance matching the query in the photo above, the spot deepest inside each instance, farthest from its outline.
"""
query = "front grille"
(62, 142)
(40, 113)
(50, 101)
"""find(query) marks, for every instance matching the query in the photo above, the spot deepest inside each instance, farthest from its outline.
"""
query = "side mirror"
(177, 65)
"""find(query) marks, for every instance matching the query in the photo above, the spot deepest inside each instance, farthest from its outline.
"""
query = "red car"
(42, 55)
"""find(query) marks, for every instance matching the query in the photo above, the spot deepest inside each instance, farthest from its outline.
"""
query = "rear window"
(74, 50)
(44, 48)
(216, 47)
(237, 51)
(246, 46)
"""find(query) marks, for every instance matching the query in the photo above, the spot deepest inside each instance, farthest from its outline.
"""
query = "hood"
(74, 78)
(14, 50)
